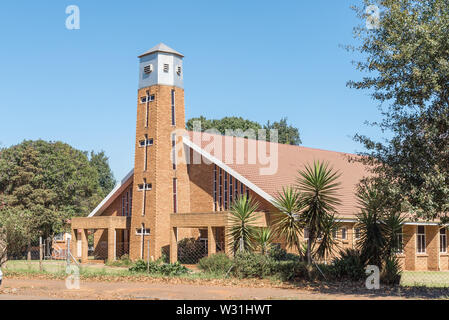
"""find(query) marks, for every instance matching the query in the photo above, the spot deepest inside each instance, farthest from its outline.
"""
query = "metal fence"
(191, 251)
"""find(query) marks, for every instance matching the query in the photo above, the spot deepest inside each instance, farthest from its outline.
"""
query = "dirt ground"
(43, 289)
(56, 289)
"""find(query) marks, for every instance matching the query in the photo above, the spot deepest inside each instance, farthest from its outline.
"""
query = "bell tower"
(161, 184)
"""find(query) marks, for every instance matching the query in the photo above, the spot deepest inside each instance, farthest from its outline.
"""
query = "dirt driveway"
(56, 289)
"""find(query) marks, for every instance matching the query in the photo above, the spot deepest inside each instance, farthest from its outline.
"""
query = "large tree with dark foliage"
(287, 134)
(406, 69)
(44, 184)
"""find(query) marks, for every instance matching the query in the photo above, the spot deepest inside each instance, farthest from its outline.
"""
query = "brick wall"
(160, 173)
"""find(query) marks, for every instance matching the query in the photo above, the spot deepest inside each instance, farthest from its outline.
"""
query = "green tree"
(405, 68)
(286, 133)
(105, 176)
(51, 180)
(242, 231)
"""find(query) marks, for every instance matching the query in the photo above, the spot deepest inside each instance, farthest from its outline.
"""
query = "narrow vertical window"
(443, 240)
(215, 187)
(226, 191)
(123, 205)
(126, 203)
(220, 189)
(230, 191)
(247, 194)
(343, 233)
(173, 117)
(175, 195)
(145, 158)
(173, 150)
(357, 233)
(241, 189)
(421, 239)
(399, 243)
(147, 109)
(236, 188)
(130, 201)
(144, 196)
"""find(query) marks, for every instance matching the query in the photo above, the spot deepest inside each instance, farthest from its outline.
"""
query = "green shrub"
(191, 250)
(348, 266)
(289, 270)
(123, 261)
(252, 265)
(157, 267)
(278, 254)
(218, 263)
(391, 273)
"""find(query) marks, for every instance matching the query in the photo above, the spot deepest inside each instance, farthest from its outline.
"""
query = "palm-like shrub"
(242, 231)
(318, 187)
(379, 231)
(287, 224)
(372, 241)
(263, 239)
(327, 244)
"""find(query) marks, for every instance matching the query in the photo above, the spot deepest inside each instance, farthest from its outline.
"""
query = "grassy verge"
(431, 279)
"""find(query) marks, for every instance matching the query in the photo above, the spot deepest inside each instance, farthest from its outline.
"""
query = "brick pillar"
(433, 247)
(409, 238)
(111, 244)
(73, 243)
(211, 241)
(84, 246)
(173, 245)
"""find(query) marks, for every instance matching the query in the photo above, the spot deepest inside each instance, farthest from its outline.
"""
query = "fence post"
(68, 252)
(29, 252)
(40, 254)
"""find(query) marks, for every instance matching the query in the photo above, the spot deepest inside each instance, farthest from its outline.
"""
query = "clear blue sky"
(261, 60)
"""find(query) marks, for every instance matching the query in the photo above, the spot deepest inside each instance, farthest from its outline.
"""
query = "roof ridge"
(282, 144)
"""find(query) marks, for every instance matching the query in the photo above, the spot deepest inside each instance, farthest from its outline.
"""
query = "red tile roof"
(289, 159)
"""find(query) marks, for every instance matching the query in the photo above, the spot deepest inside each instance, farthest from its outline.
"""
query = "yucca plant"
(327, 244)
(318, 187)
(287, 224)
(372, 241)
(393, 228)
(242, 230)
(263, 240)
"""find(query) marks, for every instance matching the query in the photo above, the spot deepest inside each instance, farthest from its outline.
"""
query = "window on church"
(145, 186)
(148, 142)
(443, 240)
(146, 99)
(143, 231)
(215, 188)
(173, 116)
(175, 195)
(421, 240)
(173, 150)
(226, 191)
(166, 67)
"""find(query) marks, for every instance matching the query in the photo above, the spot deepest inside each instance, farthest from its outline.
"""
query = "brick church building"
(183, 183)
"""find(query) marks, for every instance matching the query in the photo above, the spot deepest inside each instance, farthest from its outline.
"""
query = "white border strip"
(222, 165)
(109, 196)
